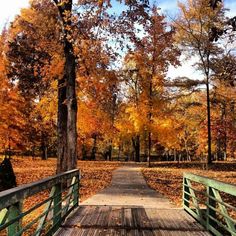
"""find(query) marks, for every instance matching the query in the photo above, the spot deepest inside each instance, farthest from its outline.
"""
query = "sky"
(10, 8)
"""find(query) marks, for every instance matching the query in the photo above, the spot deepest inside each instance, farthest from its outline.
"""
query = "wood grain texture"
(118, 220)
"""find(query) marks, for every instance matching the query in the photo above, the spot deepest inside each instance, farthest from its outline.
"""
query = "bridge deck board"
(126, 220)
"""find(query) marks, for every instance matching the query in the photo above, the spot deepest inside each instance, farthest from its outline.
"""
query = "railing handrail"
(216, 184)
(14, 195)
(207, 205)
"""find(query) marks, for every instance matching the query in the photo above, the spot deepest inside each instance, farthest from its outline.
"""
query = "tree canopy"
(81, 81)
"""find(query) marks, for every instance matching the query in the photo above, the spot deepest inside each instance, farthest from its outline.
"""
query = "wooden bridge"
(127, 207)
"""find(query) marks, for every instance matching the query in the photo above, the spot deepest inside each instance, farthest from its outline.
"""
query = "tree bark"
(119, 150)
(149, 149)
(44, 146)
(136, 145)
(145, 146)
(67, 102)
(109, 154)
(84, 152)
(61, 127)
(174, 154)
(94, 148)
(71, 101)
(150, 120)
(209, 159)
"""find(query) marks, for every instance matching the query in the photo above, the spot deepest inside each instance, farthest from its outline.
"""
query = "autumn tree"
(98, 96)
(194, 33)
(155, 51)
(223, 105)
(134, 86)
(33, 50)
(95, 15)
(12, 119)
(67, 102)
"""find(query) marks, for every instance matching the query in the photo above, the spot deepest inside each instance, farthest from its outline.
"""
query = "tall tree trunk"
(33, 152)
(150, 120)
(67, 102)
(137, 152)
(110, 152)
(209, 160)
(225, 131)
(84, 152)
(149, 149)
(44, 147)
(94, 148)
(136, 145)
(44, 152)
(145, 146)
(61, 127)
(119, 150)
(71, 101)
(174, 154)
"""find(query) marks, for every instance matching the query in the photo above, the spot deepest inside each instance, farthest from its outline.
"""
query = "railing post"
(14, 211)
(3, 215)
(50, 220)
(210, 212)
(57, 207)
(76, 192)
(186, 192)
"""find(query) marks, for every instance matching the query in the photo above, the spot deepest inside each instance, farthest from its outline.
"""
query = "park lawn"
(167, 177)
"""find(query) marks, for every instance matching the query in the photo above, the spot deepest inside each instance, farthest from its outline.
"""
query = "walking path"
(129, 188)
(129, 207)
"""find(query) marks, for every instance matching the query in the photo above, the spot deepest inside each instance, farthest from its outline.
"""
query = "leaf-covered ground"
(96, 175)
(167, 177)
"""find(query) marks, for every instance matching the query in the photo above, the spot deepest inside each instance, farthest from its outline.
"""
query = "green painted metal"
(57, 210)
(186, 192)
(14, 211)
(208, 206)
(211, 213)
(12, 196)
(3, 216)
(224, 187)
(68, 199)
(46, 210)
(47, 222)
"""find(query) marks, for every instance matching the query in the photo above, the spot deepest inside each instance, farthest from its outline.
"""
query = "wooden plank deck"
(118, 220)
(129, 207)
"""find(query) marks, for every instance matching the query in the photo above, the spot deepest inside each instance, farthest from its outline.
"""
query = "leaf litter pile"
(95, 176)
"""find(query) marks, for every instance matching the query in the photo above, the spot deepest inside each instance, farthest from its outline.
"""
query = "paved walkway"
(129, 207)
(129, 188)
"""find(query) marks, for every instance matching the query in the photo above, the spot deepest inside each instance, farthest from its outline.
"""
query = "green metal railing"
(62, 198)
(211, 202)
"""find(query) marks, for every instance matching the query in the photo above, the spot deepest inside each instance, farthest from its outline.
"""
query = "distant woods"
(88, 82)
